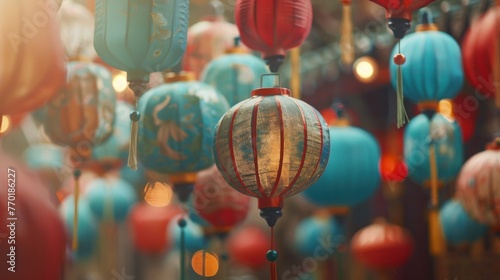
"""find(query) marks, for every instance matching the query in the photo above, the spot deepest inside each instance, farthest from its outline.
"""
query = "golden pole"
(436, 240)
(295, 72)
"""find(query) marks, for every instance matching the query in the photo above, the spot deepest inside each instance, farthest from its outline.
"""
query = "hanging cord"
(76, 177)
(138, 87)
(182, 225)
(399, 59)
(272, 257)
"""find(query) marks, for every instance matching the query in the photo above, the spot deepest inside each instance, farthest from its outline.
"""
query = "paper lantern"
(32, 55)
(218, 203)
(144, 37)
(353, 151)
(446, 137)
(111, 199)
(205, 263)
(272, 35)
(77, 31)
(433, 67)
(481, 54)
(313, 231)
(43, 254)
(248, 246)
(176, 131)
(207, 40)
(478, 185)
(382, 245)
(88, 229)
(235, 74)
(44, 156)
(149, 227)
(458, 226)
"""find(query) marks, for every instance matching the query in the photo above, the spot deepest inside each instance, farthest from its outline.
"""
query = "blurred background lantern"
(77, 31)
(33, 59)
(88, 229)
(110, 199)
(48, 161)
(248, 246)
(193, 234)
(481, 54)
(353, 151)
(382, 246)
(43, 254)
(176, 131)
(218, 203)
(149, 227)
(205, 263)
(207, 40)
(261, 31)
(313, 230)
(258, 161)
(458, 227)
(477, 185)
(147, 36)
(235, 74)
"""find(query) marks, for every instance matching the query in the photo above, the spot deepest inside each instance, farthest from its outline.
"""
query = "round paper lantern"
(433, 67)
(478, 185)
(32, 55)
(235, 74)
(218, 203)
(205, 263)
(44, 156)
(353, 152)
(144, 37)
(248, 246)
(207, 40)
(382, 245)
(111, 198)
(88, 229)
(312, 231)
(261, 30)
(149, 227)
(481, 54)
(458, 226)
(193, 234)
(176, 131)
(40, 239)
(446, 138)
(82, 114)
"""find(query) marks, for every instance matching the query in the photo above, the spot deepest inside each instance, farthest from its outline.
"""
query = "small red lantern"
(382, 245)
(248, 247)
(273, 26)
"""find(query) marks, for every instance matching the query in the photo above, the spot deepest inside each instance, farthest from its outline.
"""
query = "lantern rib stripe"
(254, 148)
(304, 151)
(231, 151)
(321, 147)
(282, 145)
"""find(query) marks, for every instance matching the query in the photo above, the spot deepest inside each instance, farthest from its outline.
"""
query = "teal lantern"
(111, 199)
(44, 156)
(177, 129)
(235, 74)
(352, 174)
(140, 37)
(433, 69)
(193, 233)
(441, 135)
(314, 231)
(458, 227)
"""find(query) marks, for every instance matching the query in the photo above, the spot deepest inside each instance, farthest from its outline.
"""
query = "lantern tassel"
(76, 177)
(436, 240)
(402, 117)
(346, 38)
(496, 73)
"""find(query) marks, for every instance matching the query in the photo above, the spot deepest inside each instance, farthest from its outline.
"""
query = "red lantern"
(382, 245)
(149, 227)
(273, 26)
(481, 54)
(38, 232)
(218, 203)
(248, 247)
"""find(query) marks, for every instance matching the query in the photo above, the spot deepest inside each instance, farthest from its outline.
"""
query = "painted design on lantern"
(166, 130)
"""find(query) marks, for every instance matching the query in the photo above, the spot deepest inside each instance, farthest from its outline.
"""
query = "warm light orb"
(120, 82)
(365, 69)
(5, 124)
(158, 194)
(205, 263)
(445, 107)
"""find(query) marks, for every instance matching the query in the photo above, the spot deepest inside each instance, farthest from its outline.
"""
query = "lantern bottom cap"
(271, 215)
(399, 26)
(183, 191)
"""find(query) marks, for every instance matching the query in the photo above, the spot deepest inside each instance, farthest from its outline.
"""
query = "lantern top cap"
(271, 91)
(179, 77)
(426, 21)
(236, 48)
(495, 144)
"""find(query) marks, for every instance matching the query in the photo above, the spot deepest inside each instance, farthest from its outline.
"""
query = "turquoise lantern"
(433, 66)
(111, 199)
(314, 231)
(446, 138)
(177, 129)
(235, 74)
(352, 174)
(140, 37)
(458, 226)
(193, 233)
